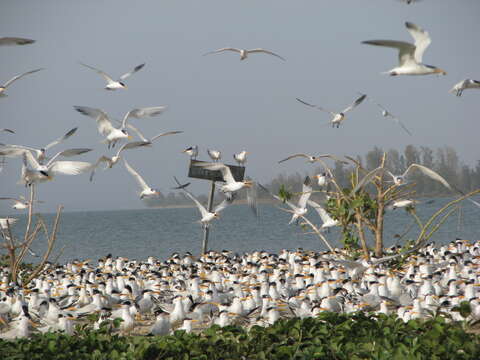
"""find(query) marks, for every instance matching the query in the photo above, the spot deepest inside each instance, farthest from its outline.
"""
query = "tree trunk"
(361, 235)
(379, 227)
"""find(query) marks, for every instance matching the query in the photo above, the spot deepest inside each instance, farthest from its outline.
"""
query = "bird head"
(440, 71)
(123, 85)
(248, 183)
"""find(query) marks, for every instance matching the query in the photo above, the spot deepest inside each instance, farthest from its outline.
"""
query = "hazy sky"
(221, 102)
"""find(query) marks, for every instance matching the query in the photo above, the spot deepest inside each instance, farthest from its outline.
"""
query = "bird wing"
(102, 73)
(140, 135)
(397, 120)
(103, 122)
(15, 150)
(355, 103)
(147, 111)
(7, 130)
(9, 198)
(430, 173)
(294, 156)
(367, 178)
(69, 167)
(320, 210)
(200, 207)
(222, 50)
(68, 153)
(165, 134)
(31, 160)
(180, 185)
(252, 198)
(6, 41)
(130, 73)
(293, 207)
(266, 52)
(137, 177)
(226, 172)
(406, 51)
(16, 77)
(94, 167)
(61, 139)
(223, 205)
(333, 157)
(306, 192)
(421, 37)
(315, 106)
(131, 145)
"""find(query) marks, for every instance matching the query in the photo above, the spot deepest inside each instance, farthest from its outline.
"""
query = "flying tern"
(12, 80)
(337, 117)
(402, 179)
(410, 55)
(313, 158)
(244, 52)
(241, 157)
(146, 191)
(111, 161)
(40, 154)
(463, 85)
(231, 185)
(387, 114)
(8, 41)
(327, 220)
(115, 84)
(19, 203)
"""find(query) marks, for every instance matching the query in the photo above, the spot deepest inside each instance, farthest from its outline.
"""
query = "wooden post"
(206, 230)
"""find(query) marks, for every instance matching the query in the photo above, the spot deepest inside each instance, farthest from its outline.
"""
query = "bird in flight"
(146, 192)
(340, 116)
(115, 84)
(8, 41)
(463, 85)
(244, 52)
(387, 114)
(410, 55)
(12, 80)
(312, 158)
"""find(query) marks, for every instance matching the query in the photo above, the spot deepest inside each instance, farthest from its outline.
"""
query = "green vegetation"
(329, 336)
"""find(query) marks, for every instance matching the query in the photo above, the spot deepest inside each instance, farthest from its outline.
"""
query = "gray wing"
(147, 111)
(180, 186)
(367, 178)
(7, 41)
(252, 196)
(430, 173)
(333, 157)
(406, 51)
(68, 153)
(294, 156)
(222, 50)
(316, 106)
(61, 139)
(223, 205)
(7, 130)
(355, 103)
(130, 73)
(165, 134)
(101, 159)
(16, 77)
(421, 37)
(101, 72)
(131, 145)
(103, 122)
(70, 167)
(266, 52)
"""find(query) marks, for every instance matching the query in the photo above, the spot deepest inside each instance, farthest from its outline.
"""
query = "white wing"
(316, 106)
(306, 192)
(61, 139)
(266, 52)
(103, 122)
(406, 51)
(222, 205)
(68, 153)
(226, 173)
(135, 69)
(222, 50)
(294, 156)
(147, 111)
(15, 150)
(200, 207)
(137, 177)
(140, 135)
(165, 134)
(293, 207)
(422, 39)
(16, 77)
(131, 145)
(102, 73)
(321, 211)
(367, 178)
(69, 167)
(31, 160)
(430, 173)
(355, 103)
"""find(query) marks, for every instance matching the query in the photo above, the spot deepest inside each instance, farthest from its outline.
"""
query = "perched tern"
(463, 85)
(241, 158)
(389, 115)
(402, 179)
(19, 203)
(215, 155)
(207, 216)
(104, 125)
(12, 80)
(337, 117)
(115, 84)
(40, 154)
(322, 179)
(410, 55)
(191, 151)
(146, 191)
(327, 220)
(111, 161)
(8, 41)
(244, 52)
(41, 173)
(312, 158)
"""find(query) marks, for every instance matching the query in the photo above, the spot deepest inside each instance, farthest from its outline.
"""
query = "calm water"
(159, 232)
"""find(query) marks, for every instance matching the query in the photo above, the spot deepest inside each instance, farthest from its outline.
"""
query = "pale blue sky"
(223, 103)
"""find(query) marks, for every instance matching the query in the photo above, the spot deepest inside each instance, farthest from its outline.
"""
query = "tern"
(146, 191)
(40, 154)
(215, 155)
(192, 151)
(115, 84)
(402, 179)
(231, 185)
(19, 203)
(12, 80)
(8, 41)
(463, 85)
(337, 117)
(104, 125)
(312, 158)
(327, 220)
(207, 216)
(410, 55)
(389, 115)
(111, 161)
(401, 204)
(244, 52)
(322, 178)
(5, 222)
(41, 173)
(241, 158)
(301, 208)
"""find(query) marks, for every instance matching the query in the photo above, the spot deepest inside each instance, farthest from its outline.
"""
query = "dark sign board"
(199, 172)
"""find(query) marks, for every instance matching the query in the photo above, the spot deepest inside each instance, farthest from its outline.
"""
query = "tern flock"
(220, 287)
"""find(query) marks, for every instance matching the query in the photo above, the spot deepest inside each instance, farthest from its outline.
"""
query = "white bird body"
(463, 85)
(215, 155)
(111, 83)
(410, 55)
